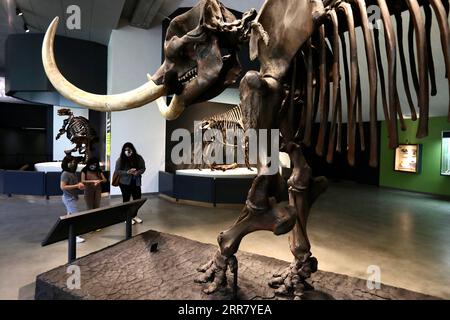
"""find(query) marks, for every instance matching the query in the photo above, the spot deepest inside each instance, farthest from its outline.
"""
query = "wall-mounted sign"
(407, 158)
(445, 154)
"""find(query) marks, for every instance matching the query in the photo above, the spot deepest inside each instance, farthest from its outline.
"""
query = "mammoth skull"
(200, 62)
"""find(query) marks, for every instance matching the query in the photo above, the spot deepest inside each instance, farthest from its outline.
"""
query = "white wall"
(133, 53)
(63, 143)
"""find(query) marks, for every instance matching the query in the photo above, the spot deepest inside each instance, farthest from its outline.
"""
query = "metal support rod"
(235, 284)
(72, 244)
(128, 229)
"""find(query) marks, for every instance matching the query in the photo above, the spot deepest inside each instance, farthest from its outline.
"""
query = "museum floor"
(351, 227)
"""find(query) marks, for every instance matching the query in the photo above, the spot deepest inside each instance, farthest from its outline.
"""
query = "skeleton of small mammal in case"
(292, 87)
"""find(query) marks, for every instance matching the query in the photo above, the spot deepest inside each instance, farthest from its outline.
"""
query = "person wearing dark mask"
(70, 185)
(92, 177)
(130, 166)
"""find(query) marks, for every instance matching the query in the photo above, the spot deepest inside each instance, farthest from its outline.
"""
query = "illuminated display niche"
(445, 154)
(407, 158)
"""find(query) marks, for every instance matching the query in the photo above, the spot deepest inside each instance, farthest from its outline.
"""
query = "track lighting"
(19, 12)
(25, 27)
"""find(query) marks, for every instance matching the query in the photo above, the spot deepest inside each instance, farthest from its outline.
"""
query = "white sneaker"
(137, 219)
(80, 240)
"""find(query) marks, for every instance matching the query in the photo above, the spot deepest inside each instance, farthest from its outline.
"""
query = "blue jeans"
(70, 203)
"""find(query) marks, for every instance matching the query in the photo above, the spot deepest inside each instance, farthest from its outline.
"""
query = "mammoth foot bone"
(292, 280)
(259, 213)
(215, 271)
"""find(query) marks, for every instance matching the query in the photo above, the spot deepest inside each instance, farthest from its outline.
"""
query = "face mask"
(128, 153)
(93, 167)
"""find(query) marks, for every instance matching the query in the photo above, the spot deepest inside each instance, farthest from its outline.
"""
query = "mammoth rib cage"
(341, 18)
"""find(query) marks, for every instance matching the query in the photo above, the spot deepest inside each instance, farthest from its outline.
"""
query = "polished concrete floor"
(351, 227)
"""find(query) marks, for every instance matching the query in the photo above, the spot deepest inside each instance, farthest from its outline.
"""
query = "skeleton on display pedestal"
(230, 121)
(79, 132)
(299, 78)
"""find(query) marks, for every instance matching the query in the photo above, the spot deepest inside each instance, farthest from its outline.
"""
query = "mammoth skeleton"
(299, 78)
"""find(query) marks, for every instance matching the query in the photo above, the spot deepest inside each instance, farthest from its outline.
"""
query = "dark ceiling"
(98, 17)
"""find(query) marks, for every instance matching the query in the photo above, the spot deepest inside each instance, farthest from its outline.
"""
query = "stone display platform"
(129, 270)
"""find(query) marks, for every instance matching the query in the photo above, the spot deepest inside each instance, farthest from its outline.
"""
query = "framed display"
(445, 153)
(407, 158)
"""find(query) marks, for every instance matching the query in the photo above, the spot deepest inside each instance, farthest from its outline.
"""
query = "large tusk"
(106, 103)
(173, 111)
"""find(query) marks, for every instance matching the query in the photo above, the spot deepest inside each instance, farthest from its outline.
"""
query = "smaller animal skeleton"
(230, 121)
(79, 132)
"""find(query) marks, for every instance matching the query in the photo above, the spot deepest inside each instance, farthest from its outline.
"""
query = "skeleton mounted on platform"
(79, 132)
(229, 122)
(299, 78)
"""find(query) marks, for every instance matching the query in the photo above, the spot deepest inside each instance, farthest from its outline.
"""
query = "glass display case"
(407, 158)
(445, 153)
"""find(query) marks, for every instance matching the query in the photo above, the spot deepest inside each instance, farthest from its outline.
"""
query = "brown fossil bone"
(336, 84)
(351, 107)
(380, 67)
(399, 22)
(391, 51)
(324, 91)
(309, 94)
(303, 192)
(428, 23)
(259, 213)
(423, 98)
(373, 81)
(412, 55)
(441, 15)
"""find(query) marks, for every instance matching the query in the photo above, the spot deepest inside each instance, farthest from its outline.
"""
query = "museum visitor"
(130, 166)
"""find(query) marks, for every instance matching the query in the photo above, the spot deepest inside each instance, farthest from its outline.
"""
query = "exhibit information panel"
(407, 158)
(445, 155)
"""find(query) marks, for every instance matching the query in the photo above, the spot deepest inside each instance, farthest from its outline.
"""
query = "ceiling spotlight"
(25, 27)
(19, 12)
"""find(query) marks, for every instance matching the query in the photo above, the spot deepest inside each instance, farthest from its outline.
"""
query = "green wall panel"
(429, 180)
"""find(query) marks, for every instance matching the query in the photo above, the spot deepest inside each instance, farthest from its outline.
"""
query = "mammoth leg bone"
(303, 192)
(259, 213)
(259, 97)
